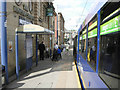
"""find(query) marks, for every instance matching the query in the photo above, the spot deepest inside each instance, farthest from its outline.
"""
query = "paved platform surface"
(50, 74)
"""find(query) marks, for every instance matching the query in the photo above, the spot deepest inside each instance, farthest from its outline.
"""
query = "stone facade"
(22, 14)
(60, 29)
(44, 21)
(14, 19)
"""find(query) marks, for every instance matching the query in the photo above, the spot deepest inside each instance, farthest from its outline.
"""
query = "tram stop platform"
(50, 74)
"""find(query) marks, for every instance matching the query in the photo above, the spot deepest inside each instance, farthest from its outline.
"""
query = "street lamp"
(50, 9)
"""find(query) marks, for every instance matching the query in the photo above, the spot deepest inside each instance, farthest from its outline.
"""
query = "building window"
(44, 13)
(39, 8)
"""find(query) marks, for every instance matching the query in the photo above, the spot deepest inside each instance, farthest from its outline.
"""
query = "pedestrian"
(55, 52)
(67, 49)
(41, 48)
(47, 52)
(62, 46)
(56, 46)
(59, 52)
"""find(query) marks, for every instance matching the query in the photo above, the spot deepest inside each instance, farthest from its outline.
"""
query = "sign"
(23, 13)
(29, 48)
(84, 36)
(112, 25)
(49, 12)
(92, 33)
(23, 21)
(10, 45)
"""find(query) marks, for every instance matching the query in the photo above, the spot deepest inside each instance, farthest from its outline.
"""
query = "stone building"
(56, 27)
(60, 29)
(44, 21)
(18, 14)
(22, 13)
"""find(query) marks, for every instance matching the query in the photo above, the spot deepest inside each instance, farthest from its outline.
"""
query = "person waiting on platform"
(59, 52)
(41, 48)
(47, 52)
(55, 52)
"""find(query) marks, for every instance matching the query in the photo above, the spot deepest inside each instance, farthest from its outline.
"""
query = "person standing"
(41, 48)
(55, 52)
(47, 52)
(56, 46)
(59, 52)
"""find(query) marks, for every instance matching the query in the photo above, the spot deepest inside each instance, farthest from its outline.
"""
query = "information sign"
(92, 33)
(112, 25)
(29, 46)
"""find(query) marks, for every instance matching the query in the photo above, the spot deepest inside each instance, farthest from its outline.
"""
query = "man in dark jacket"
(41, 48)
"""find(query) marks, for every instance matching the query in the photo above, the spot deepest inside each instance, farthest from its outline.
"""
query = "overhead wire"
(83, 10)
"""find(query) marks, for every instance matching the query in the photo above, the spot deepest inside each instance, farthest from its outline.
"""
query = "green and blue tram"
(98, 47)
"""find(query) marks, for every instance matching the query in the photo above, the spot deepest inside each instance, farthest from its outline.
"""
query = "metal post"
(17, 55)
(3, 37)
(78, 48)
(36, 51)
(78, 45)
(57, 29)
(50, 46)
(98, 40)
(86, 41)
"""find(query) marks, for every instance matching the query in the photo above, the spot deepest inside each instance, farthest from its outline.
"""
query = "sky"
(73, 11)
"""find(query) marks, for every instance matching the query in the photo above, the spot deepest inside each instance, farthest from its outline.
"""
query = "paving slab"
(50, 74)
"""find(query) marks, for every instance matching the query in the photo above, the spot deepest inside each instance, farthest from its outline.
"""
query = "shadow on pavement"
(46, 66)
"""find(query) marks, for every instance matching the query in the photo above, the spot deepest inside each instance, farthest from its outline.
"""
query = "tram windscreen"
(110, 59)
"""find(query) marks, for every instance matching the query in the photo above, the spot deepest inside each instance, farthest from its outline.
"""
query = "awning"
(31, 28)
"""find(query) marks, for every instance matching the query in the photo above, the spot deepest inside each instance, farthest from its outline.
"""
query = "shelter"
(29, 29)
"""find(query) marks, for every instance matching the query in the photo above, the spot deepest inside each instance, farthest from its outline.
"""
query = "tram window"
(83, 48)
(80, 49)
(109, 59)
(92, 49)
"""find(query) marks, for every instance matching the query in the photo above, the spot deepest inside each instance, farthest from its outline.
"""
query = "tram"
(98, 47)
(75, 47)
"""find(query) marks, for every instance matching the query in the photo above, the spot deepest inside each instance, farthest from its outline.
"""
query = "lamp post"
(62, 35)
(50, 46)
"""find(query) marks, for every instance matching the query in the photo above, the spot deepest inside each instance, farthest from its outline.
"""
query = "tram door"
(29, 51)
